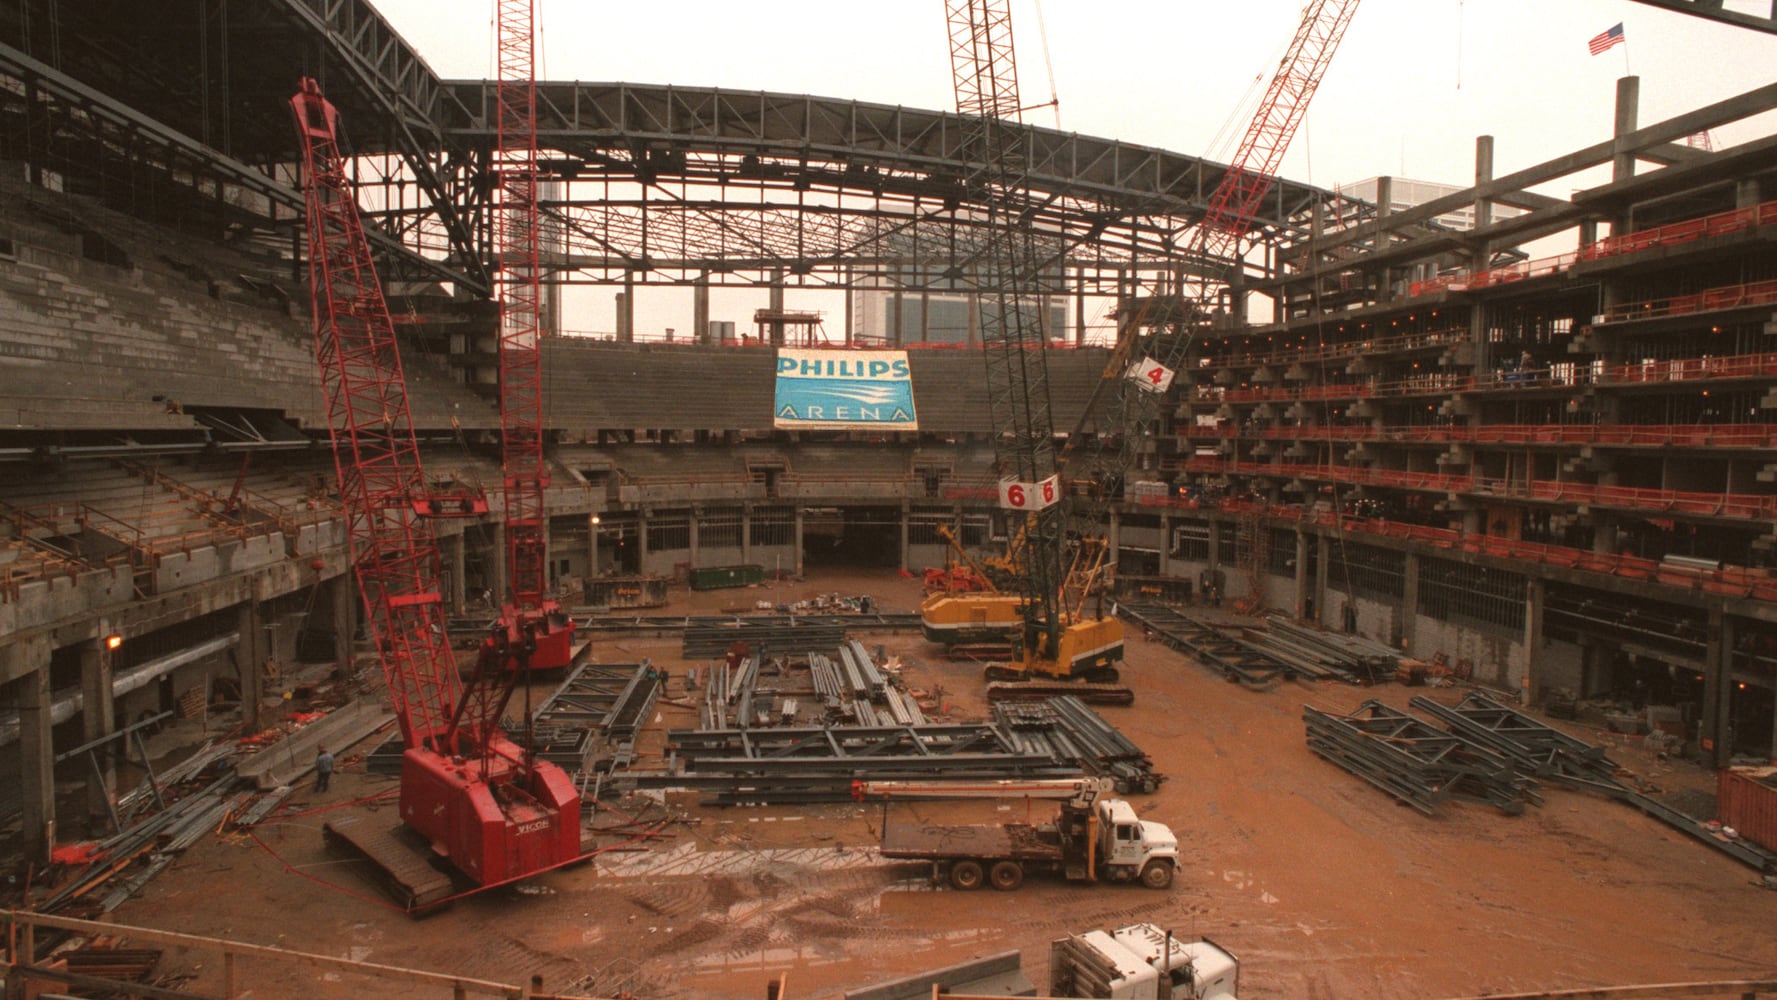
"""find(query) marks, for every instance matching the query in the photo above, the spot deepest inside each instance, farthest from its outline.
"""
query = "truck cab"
(1141, 961)
(1130, 847)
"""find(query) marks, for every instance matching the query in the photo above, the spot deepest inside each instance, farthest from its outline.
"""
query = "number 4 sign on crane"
(1015, 495)
(1150, 375)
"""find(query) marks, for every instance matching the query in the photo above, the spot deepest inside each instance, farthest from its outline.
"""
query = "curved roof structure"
(657, 183)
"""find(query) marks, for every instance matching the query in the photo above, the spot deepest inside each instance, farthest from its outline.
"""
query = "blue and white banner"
(854, 390)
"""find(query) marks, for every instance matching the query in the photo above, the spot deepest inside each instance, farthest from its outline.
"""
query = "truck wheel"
(1006, 875)
(966, 875)
(1157, 875)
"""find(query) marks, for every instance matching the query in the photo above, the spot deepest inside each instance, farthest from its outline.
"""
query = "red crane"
(492, 810)
(1235, 201)
(532, 626)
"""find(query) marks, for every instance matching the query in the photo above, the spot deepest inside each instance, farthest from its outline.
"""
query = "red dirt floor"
(1321, 884)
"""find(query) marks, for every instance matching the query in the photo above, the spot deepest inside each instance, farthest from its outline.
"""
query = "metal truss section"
(1715, 10)
(100, 129)
(842, 177)
(606, 702)
(900, 751)
(391, 77)
(1541, 750)
(379, 58)
(1418, 765)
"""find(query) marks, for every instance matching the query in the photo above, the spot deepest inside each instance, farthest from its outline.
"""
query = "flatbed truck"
(1092, 839)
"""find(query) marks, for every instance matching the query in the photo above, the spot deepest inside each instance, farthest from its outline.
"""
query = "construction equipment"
(1158, 331)
(1141, 961)
(1057, 634)
(964, 609)
(1093, 838)
(471, 795)
(532, 628)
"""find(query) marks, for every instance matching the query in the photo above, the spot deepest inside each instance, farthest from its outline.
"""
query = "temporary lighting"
(113, 641)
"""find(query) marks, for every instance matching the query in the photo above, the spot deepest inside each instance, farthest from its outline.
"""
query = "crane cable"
(1048, 64)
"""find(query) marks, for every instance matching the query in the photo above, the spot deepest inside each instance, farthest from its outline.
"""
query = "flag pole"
(1626, 70)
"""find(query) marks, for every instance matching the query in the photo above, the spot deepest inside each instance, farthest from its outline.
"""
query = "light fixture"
(113, 641)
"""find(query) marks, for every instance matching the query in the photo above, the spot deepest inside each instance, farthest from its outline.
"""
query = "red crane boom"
(538, 635)
(492, 810)
(1236, 199)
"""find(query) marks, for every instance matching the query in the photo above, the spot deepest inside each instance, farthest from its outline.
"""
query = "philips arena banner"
(850, 390)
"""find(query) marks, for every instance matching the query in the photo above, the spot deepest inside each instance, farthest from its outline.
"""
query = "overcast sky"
(1413, 84)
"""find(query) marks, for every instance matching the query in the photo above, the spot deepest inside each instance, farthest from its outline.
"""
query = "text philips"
(817, 368)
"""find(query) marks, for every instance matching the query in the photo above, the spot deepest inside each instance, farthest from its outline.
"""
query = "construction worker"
(323, 768)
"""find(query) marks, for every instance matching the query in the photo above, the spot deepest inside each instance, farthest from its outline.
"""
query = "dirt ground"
(1320, 884)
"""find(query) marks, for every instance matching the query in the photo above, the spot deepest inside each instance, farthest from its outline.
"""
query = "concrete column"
(700, 309)
(905, 539)
(548, 540)
(776, 291)
(641, 543)
(497, 533)
(626, 309)
(925, 315)
(1304, 595)
(36, 756)
(1533, 641)
(797, 541)
(973, 334)
(1483, 254)
(1628, 109)
(1384, 208)
(1080, 306)
(97, 720)
(592, 546)
(1409, 601)
(894, 317)
(251, 655)
(1323, 557)
(746, 528)
(1113, 540)
(692, 518)
(345, 623)
(456, 573)
(1746, 194)
(1623, 163)
(851, 334)
(1716, 745)
(1165, 545)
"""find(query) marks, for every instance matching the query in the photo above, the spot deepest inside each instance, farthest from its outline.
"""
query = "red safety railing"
(1756, 293)
(1738, 506)
(1674, 234)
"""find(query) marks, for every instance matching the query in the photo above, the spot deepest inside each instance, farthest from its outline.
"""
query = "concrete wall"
(1494, 659)
(1560, 665)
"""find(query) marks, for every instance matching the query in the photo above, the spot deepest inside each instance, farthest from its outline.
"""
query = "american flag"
(1605, 39)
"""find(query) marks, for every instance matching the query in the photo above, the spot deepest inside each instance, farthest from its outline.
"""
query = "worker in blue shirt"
(323, 768)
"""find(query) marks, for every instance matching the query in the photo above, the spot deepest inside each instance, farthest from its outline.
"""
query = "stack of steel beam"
(825, 676)
(1567, 760)
(1213, 644)
(1417, 764)
(157, 838)
(870, 682)
(1068, 730)
(715, 636)
(1538, 749)
(902, 707)
(1317, 652)
(728, 625)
